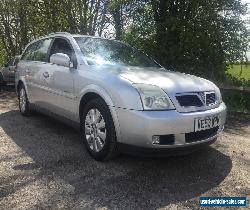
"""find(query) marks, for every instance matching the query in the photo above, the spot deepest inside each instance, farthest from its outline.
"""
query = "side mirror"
(61, 59)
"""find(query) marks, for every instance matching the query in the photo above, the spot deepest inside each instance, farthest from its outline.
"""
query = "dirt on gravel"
(44, 165)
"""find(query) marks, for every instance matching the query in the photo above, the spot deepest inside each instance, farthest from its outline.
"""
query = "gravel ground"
(44, 165)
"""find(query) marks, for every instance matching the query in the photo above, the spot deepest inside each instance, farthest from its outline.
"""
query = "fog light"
(156, 140)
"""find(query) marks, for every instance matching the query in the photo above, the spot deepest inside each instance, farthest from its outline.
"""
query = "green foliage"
(234, 76)
(229, 80)
(235, 71)
(192, 36)
(236, 100)
(141, 32)
(24, 20)
(2, 55)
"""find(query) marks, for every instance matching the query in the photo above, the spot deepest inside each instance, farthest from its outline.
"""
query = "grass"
(234, 77)
(234, 70)
(236, 101)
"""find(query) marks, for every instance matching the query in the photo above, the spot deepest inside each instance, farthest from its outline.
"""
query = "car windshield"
(99, 51)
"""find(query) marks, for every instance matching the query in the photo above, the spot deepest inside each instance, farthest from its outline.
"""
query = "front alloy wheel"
(95, 130)
(98, 130)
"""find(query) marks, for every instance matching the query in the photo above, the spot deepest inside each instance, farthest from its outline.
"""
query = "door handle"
(46, 74)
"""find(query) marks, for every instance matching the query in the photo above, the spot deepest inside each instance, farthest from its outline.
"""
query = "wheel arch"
(20, 82)
(93, 91)
(87, 97)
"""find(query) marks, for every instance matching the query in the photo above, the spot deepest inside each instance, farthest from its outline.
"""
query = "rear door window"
(29, 52)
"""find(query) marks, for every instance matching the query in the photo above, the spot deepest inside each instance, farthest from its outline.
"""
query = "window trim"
(100, 38)
(33, 43)
(36, 46)
(74, 58)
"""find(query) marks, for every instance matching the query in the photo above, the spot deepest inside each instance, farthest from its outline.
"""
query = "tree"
(193, 36)
(24, 20)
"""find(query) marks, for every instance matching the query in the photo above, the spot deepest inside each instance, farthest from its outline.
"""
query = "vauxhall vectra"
(121, 99)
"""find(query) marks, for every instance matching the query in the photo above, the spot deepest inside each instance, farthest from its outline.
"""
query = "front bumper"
(163, 152)
(138, 127)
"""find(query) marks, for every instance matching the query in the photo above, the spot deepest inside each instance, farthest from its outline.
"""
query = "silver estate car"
(123, 100)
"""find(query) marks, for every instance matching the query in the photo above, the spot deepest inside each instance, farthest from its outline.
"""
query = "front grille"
(210, 99)
(201, 135)
(189, 100)
(198, 99)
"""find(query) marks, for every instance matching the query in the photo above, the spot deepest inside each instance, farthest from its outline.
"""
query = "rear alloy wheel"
(98, 131)
(23, 101)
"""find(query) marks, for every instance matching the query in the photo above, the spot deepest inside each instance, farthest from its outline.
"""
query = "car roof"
(68, 35)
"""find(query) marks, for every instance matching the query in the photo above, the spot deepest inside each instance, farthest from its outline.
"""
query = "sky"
(247, 1)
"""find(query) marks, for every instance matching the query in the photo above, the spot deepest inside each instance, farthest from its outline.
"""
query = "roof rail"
(66, 33)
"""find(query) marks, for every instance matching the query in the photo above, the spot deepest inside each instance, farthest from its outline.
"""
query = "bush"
(236, 100)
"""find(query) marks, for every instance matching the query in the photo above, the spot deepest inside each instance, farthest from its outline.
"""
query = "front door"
(59, 81)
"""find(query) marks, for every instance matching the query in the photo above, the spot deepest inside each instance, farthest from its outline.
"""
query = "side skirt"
(57, 117)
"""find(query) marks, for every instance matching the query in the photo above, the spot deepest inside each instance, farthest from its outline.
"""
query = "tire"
(96, 120)
(23, 101)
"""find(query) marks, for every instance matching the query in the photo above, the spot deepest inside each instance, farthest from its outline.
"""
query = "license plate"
(204, 123)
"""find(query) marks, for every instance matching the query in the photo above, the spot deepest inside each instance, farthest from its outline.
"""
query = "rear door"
(39, 66)
(26, 69)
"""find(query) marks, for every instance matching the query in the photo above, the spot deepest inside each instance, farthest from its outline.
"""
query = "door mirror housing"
(61, 59)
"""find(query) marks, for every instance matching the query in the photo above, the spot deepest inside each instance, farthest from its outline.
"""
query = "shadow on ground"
(126, 182)
(8, 98)
(7, 88)
(238, 123)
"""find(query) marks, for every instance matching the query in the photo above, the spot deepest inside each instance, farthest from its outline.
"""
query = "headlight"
(153, 97)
